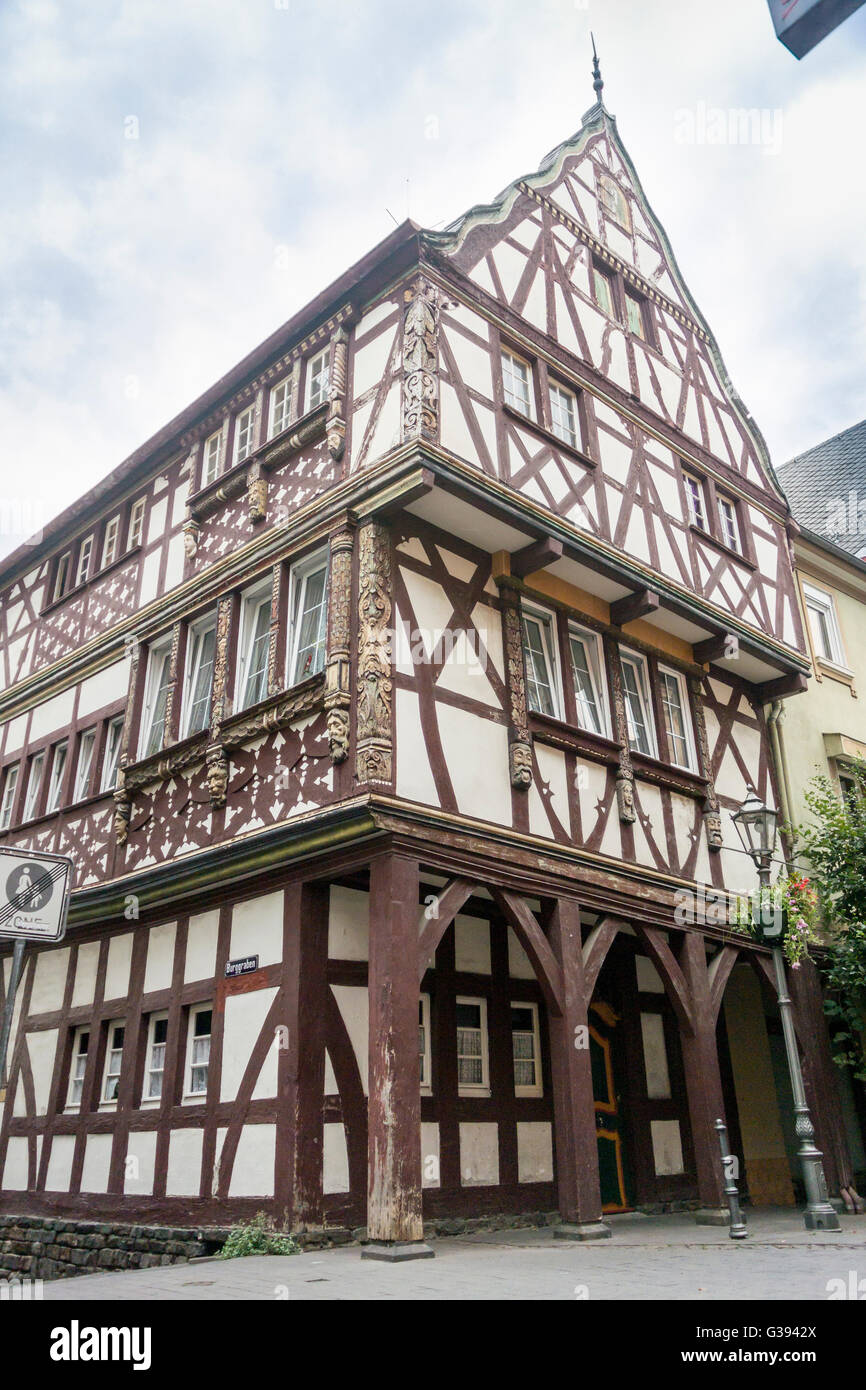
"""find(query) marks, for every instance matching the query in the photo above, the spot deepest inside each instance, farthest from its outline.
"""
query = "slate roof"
(826, 487)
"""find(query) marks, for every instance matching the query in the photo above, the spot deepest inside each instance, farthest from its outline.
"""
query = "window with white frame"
(638, 705)
(198, 1050)
(10, 787)
(211, 458)
(696, 501)
(539, 655)
(678, 727)
(587, 669)
(605, 294)
(110, 541)
(155, 699)
(113, 1061)
(563, 415)
(613, 200)
(136, 524)
(728, 522)
(473, 1062)
(111, 758)
(309, 586)
(58, 768)
(157, 1034)
(61, 577)
(281, 406)
(84, 555)
(516, 383)
(318, 378)
(78, 1067)
(34, 785)
(244, 434)
(424, 1046)
(86, 746)
(824, 624)
(253, 643)
(198, 685)
(526, 1049)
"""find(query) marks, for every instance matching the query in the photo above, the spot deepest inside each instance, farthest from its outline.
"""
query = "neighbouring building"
(393, 702)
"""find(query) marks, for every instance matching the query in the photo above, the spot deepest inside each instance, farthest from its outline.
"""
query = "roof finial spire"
(597, 83)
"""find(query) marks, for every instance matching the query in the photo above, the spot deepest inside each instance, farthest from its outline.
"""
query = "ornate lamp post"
(756, 827)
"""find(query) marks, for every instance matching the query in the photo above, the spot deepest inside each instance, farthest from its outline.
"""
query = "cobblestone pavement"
(667, 1257)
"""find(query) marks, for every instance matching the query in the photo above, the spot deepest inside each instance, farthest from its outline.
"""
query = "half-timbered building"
(392, 702)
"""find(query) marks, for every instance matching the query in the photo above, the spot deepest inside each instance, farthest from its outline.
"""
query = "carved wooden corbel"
(711, 813)
(421, 361)
(337, 666)
(625, 774)
(519, 738)
(257, 493)
(375, 758)
(122, 809)
(191, 534)
(217, 772)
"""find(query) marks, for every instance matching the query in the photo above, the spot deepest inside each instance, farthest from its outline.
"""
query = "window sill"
(721, 546)
(274, 452)
(474, 1092)
(836, 673)
(677, 779)
(547, 729)
(548, 435)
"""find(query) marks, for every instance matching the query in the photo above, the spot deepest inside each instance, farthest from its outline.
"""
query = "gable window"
(198, 1050)
(86, 745)
(109, 544)
(695, 500)
(156, 698)
(111, 757)
(58, 767)
(136, 524)
(281, 406)
(84, 555)
(824, 624)
(244, 434)
(309, 618)
(587, 671)
(539, 656)
(157, 1035)
(613, 201)
(34, 785)
(603, 288)
(473, 1066)
(211, 459)
(563, 415)
(9, 789)
(675, 708)
(113, 1061)
(635, 314)
(424, 1048)
(318, 378)
(199, 676)
(526, 1050)
(61, 578)
(80, 1045)
(728, 520)
(516, 378)
(253, 647)
(638, 708)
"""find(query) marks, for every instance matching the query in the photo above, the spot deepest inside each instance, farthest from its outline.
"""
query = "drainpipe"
(774, 723)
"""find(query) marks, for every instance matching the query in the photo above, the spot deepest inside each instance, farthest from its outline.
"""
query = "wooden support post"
(394, 1222)
(577, 1168)
(820, 1077)
(703, 1081)
(301, 1056)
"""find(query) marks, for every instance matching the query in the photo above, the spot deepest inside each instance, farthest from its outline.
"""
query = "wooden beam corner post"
(577, 1170)
(394, 1221)
(703, 1080)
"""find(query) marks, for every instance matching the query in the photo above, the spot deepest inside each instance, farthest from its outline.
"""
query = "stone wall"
(42, 1247)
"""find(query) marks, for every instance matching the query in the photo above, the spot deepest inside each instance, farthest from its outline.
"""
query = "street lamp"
(756, 827)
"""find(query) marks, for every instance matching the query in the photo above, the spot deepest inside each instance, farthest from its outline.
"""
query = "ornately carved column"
(275, 652)
(712, 815)
(172, 710)
(519, 740)
(336, 423)
(375, 760)
(421, 361)
(215, 757)
(122, 800)
(337, 665)
(625, 775)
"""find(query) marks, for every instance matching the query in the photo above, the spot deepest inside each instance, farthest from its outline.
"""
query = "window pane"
(112, 754)
(85, 760)
(634, 313)
(563, 415)
(695, 494)
(515, 383)
(319, 370)
(539, 680)
(310, 657)
(603, 291)
(588, 711)
(201, 673)
(158, 699)
(674, 719)
(636, 707)
(258, 628)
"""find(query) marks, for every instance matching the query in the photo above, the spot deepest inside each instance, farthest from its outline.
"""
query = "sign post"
(34, 900)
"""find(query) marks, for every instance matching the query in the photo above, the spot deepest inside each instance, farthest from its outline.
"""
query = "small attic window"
(614, 201)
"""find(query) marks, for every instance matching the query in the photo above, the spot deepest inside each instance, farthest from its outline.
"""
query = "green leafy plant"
(259, 1237)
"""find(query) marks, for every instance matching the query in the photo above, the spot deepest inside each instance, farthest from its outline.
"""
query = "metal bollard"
(738, 1226)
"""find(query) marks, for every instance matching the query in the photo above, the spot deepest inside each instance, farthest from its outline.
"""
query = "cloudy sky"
(181, 178)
